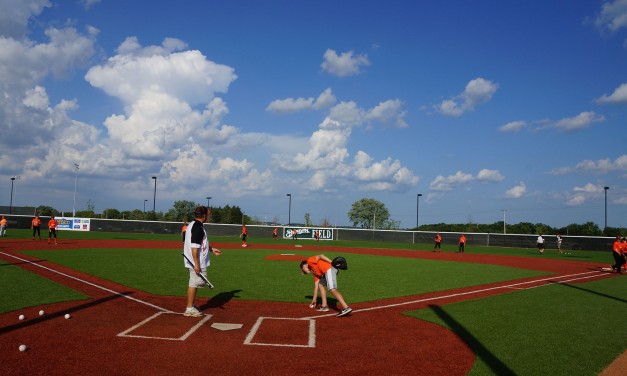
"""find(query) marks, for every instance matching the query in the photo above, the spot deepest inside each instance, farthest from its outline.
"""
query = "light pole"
(75, 179)
(11, 205)
(504, 229)
(289, 211)
(145, 206)
(417, 208)
(605, 190)
(154, 199)
(208, 199)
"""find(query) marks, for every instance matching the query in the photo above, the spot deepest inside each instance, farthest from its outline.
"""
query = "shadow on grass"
(494, 363)
(62, 313)
(219, 300)
(593, 292)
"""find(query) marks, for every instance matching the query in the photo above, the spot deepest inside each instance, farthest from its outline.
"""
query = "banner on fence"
(307, 233)
(73, 224)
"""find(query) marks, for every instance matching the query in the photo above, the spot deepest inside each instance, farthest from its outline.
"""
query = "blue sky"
(479, 106)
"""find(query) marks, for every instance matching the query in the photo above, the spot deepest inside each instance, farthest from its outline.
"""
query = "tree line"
(181, 211)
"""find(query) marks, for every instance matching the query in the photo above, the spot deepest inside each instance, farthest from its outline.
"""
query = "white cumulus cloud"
(345, 64)
(517, 191)
(618, 96)
(281, 106)
(477, 91)
(578, 122)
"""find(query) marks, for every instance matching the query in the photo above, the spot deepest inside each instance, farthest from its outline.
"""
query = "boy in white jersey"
(197, 249)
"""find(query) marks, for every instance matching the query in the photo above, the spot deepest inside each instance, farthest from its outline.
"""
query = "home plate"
(223, 327)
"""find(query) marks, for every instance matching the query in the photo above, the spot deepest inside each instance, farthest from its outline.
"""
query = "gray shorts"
(329, 279)
(195, 280)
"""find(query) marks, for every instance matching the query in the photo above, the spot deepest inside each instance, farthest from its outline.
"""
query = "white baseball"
(41, 313)
(67, 316)
(21, 317)
(23, 347)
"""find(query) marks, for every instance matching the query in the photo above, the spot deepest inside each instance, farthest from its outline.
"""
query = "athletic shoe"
(322, 309)
(193, 312)
(345, 312)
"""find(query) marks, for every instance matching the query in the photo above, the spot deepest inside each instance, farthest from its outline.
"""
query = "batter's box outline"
(311, 343)
(181, 338)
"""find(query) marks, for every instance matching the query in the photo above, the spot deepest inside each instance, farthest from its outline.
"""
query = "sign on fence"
(307, 233)
(73, 224)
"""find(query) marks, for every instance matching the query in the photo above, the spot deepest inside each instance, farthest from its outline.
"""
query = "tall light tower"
(605, 190)
(145, 206)
(417, 207)
(289, 210)
(11, 204)
(154, 199)
(504, 228)
(75, 179)
(208, 200)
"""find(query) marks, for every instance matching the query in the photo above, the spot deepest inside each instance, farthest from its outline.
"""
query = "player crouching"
(322, 270)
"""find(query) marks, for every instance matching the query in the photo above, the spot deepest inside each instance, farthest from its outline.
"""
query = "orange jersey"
(36, 222)
(53, 223)
(617, 247)
(184, 228)
(3, 221)
(274, 231)
(244, 230)
(438, 238)
(462, 239)
(318, 267)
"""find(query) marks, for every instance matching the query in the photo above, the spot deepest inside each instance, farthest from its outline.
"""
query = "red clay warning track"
(122, 331)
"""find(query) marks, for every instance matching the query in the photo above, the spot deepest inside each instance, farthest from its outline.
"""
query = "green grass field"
(562, 329)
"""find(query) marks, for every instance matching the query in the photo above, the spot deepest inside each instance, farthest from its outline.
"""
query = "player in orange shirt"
(618, 251)
(183, 229)
(244, 235)
(462, 243)
(3, 226)
(438, 241)
(324, 273)
(36, 223)
(52, 229)
(274, 233)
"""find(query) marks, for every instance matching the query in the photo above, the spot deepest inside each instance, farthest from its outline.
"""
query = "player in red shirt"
(52, 229)
(324, 273)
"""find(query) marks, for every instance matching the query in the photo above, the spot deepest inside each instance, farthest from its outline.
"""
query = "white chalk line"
(311, 342)
(90, 283)
(509, 286)
(181, 338)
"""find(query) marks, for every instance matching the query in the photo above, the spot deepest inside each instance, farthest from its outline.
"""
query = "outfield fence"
(449, 239)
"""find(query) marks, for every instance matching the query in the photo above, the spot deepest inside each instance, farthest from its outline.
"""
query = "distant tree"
(181, 211)
(47, 210)
(307, 219)
(368, 213)
(111, 214)
(136, 214)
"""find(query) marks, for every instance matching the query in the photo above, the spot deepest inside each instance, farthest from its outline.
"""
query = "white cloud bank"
(442, 183)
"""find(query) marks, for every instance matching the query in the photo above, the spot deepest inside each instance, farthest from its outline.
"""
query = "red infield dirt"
(122, 331)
